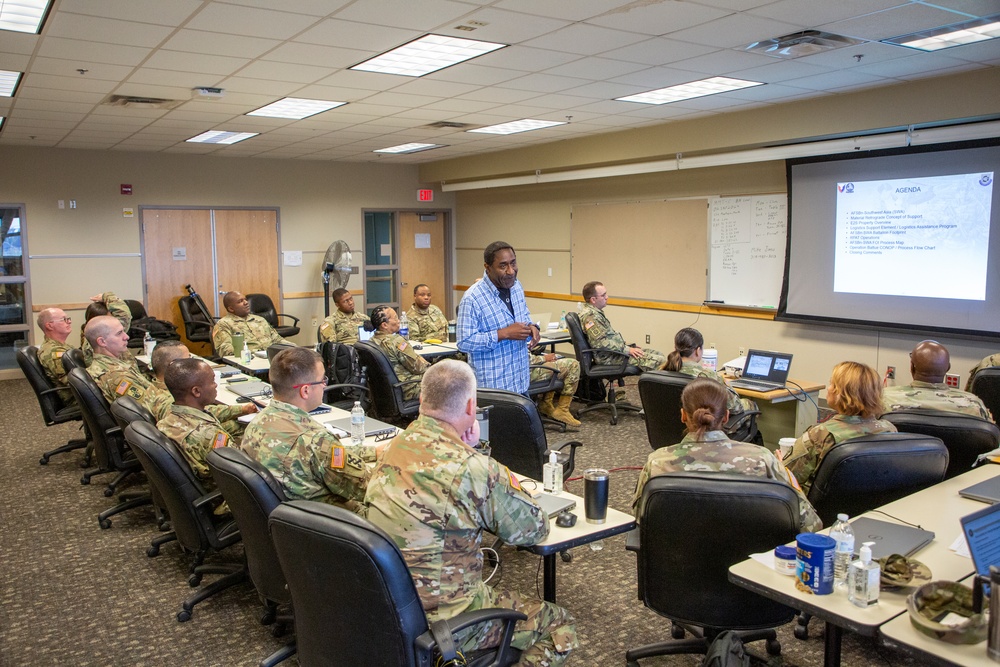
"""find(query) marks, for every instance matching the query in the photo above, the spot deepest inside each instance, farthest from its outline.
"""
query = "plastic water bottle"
(148, 344)
(562, 320)
(844, 536)
(404, 326)
(357, 424)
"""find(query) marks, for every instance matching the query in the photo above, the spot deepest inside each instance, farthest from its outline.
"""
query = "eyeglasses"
(310, 384)
(63, 319)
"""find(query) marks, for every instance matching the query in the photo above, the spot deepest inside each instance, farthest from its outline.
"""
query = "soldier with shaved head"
(257, 333)
(929, 363)
(115, 376)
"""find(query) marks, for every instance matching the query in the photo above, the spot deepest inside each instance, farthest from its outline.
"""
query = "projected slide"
(920, 237)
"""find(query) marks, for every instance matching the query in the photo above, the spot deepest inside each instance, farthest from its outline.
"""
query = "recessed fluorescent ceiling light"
(427, 54)
(8, 81)
(408, 148)
(220, 137)
(296, 108)
(688, 91)
(976, 30)
(22, 15)
(516, 126)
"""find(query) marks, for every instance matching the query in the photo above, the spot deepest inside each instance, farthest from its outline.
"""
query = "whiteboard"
(747, 248)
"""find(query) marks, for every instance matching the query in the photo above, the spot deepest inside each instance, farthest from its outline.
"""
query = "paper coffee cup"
(785, 447)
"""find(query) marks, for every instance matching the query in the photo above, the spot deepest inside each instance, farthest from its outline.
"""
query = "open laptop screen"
(982, 533)
(364, 335)
(767, 366)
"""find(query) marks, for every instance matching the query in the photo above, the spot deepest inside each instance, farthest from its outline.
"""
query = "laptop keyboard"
(756, 386)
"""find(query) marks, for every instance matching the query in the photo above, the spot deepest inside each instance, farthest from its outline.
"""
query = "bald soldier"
(56, 326)
(112, 374)
(308, 461)
(342, 325)
(192, 386)
(106, 303)
(434, 495)
(257, 333)
(929, 362)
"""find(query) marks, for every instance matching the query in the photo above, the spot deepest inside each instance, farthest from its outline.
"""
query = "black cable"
(896, 518)
(805, 394)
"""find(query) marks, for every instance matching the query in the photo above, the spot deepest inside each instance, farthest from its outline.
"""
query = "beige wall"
(75, 253)
(536, 219)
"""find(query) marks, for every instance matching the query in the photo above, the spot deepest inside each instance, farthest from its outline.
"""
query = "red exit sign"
(425, 195)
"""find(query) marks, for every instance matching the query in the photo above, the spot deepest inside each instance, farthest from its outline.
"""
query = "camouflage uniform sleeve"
(506, 510)
(116, 383)
(222, 338)
(199, 443)
(601, 336)
(118, 309)
(224, 412)
(327, 331)
(336, 467)
(414, 320)
(808, 450)
(639, 486)
(411, 361)
(809, 521)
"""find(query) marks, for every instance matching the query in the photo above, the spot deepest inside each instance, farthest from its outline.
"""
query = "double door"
(213, 250)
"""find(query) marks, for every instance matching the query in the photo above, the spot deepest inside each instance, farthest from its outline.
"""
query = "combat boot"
(545, 405)
(562, 413)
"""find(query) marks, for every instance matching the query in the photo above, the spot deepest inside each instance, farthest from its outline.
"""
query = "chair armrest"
(347, 385)
(736, 421)
(291, 317)
(194, 325)
(405, 383)
(632, 540)
(619, 366)
(568, 460)
(427, 642)
(51, 390)
(553, 377)
(208, 499)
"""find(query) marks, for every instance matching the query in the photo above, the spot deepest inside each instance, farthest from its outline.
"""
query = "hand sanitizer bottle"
(404, 326)
(552, 474)
(148, 344)
(357, 424)
(863, 579)
(246, 356)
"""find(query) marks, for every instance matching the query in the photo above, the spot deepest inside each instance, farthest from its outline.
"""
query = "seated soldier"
(257, 333)
(104, 304)
(425, 319)
(929, 363)
(987, 362)
(56, 327)
(569, 373)
(407, 364)
(113, 375)
(307, 460)
(602, 336)
(342, 325)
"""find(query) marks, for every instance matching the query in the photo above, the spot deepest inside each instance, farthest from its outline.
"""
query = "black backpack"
(726, 650)
(343, 366)
(159, 329)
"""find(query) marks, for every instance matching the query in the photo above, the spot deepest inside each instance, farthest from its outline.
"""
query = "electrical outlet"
(891, 372)
(647, 339)
(315, 322)
(951, 379)
(742, 353)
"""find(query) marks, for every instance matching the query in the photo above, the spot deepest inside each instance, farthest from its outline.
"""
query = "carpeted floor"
(73, 594)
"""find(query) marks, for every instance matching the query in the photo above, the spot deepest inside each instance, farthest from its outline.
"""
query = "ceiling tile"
(474, 74)
(585, 39)
(262, 69)
(198, 63)
(172, 13)
(61, 67)
(315, 54)
(68, 83)
(595, 68)
(893, 22)
(434, 88)
(833, 80)
(14, 62)
(19, 42)
(352, 35)
(658, 18)
(812, 13)
(220, 17)
(92, 52)
(311, 7)
(524, 58)
(542, 83)
(422, 15)
(276, 89)
(722, 62)
(780, 71)
(219, 44)
(735, 30)
(110, 31)
(501, 26)
(658, 51)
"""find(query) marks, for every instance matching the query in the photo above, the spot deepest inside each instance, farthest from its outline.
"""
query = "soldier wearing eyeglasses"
(57, 326)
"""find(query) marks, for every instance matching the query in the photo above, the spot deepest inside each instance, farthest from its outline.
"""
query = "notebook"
(987, 491)
(372, 426)
(889, 538)
(764, 370)
(250, 389)
(982, 534)
(553, 505)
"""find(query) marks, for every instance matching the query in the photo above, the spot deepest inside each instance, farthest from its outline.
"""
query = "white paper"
(293, 257)
(960, 546)
(385, 250)
(180, 254)
(421, 240)
(766, 558)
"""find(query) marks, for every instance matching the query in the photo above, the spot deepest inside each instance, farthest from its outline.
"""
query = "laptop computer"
(542, 320)
(553, 505)
(889, 538)
(250, 389)
(764, 371)
(372, 426)
(982, 534)
(363, 334)
(987, 491)
(276, 348)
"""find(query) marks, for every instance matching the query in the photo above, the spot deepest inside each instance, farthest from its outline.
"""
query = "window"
(15, 304)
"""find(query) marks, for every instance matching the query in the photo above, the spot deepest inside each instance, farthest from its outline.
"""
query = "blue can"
(814, 562)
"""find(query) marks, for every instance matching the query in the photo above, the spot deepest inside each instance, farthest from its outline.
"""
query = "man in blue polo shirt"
(494, 327)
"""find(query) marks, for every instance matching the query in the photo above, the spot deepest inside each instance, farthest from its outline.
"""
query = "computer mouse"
(418, 346)
(566, 520)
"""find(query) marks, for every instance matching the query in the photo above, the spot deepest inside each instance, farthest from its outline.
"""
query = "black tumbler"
(451, 331)
(595, 494)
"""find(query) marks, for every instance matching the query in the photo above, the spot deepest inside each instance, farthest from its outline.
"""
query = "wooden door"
(177, 251)
(246, 247)
(422, 258)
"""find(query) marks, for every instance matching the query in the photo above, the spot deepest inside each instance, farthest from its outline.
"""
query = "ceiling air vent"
(800, 44)
(136, 102)
(448, 125)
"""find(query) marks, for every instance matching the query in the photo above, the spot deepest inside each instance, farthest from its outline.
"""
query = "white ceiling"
(566, 58)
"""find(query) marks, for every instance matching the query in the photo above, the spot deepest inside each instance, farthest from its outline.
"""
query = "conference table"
(785, 413)
(938, 509)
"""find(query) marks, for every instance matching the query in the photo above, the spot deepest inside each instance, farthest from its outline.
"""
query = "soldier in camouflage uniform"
(342, 325)
(308, 461)
(104, 304)
(257, 333)
(929, 362)
(602, 336)
(435, 495)
(114, 376)
(987, 362)
(56, 326)
(705, 448)
(686, 359)
(855, 392)
(569, 372)
(425, 319)
(407, 364)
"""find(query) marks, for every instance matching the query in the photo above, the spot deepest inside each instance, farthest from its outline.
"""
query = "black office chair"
(126, 410)
(863, 473)
(965, 436)
(692, 527)
(986, 385)
(198, 529)
(143, 323)
(384, 384)
(346, 380)
(549, 383)
(197, 322)
(109, 445)
(516, 436)
(360, 562)
(74, 359)
(55, 410)
(252, 493)
(660, 393)
(261, 304)
(607, 375)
